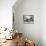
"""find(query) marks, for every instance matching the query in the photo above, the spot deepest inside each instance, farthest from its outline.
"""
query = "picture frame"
(28, 19)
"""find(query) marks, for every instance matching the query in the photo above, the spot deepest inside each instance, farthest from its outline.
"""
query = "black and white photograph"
(29, 19)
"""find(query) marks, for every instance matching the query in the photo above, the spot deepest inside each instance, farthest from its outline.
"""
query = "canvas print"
(28, 19)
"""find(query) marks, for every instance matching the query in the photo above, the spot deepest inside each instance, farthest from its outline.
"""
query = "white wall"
(6, 13)
(40, 19)
(31, 31)
(43, 22)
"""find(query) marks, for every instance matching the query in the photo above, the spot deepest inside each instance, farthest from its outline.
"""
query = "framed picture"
(28, 19)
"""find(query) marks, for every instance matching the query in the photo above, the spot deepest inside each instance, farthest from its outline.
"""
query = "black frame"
(28, 19)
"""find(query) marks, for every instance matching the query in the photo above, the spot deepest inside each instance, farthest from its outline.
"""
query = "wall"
(6, 13)
(30, 31)
(43, 22)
